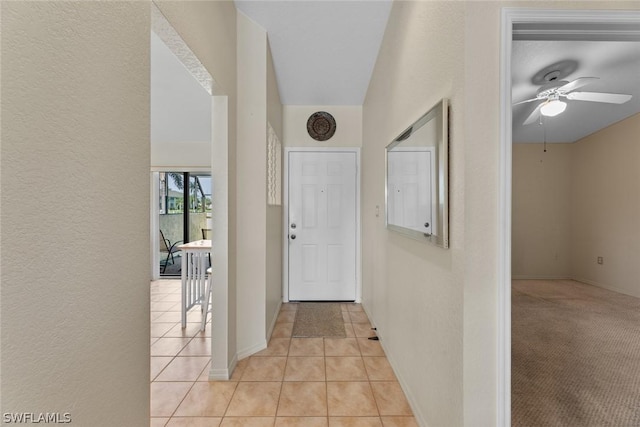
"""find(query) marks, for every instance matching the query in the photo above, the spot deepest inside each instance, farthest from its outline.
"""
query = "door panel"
(309, 206)
(410, 189)
(322, 226)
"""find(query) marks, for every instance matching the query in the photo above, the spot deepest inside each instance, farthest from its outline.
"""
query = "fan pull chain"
(544, 130)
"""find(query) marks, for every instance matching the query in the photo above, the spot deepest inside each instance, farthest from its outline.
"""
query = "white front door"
(322, 225)
(410, 189)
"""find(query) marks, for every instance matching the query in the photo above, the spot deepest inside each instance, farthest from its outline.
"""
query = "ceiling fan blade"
(611, 98)
(577, 83)
(535, 114)
(525, 101)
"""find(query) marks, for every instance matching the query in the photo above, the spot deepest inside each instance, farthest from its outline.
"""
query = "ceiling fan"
(551, 93)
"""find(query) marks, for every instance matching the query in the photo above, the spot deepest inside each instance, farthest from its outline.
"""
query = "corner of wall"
(251, 195)
(274, 226)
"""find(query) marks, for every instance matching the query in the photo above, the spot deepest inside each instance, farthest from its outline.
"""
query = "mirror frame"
(440, 236)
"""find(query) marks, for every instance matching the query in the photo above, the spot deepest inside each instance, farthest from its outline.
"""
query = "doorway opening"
(570, 25)
(202, 156)
(184, 215)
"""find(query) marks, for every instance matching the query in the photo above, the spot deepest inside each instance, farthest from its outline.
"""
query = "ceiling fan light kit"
(553, 108)
(555, 89)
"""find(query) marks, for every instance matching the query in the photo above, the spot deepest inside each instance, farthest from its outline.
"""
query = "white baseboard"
(413, 403)
(274, 321)
(223, 374)
(607, 287)
(243, 354)
(578, 279)
(538, 277)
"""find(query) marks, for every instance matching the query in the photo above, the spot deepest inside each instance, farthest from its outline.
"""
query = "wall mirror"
(417, 188)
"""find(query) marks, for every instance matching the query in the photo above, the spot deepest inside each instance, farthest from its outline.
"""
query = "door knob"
(293, 226)
(426, 224)
(293, 237)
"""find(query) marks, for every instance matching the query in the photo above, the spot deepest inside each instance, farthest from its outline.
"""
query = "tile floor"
(306, 382)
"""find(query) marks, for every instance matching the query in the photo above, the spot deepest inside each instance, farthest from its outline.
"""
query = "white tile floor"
(306, 382)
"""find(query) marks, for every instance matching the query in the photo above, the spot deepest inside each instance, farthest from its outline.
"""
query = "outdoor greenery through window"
(172, 193)
(178, 226)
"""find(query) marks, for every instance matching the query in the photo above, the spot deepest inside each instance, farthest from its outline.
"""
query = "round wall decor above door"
(321, 126)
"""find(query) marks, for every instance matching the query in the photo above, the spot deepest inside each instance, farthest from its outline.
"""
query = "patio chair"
(169, 248)
(206, 232)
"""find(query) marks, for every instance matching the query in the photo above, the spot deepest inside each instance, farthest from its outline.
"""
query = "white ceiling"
(616, 64)
(323, 51)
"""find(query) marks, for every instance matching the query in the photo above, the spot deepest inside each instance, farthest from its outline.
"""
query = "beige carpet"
(575, 355)
(319, 319)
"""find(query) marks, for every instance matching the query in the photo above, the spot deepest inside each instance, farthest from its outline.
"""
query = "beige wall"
(259, 237)
(180, 155)
(481, 177)
(75, 158)
(577, 202)
(235, 52)
(274, 105)
(348, 125)
(76, 127)
(481, 154)
(274, 213)
(209, 29)
(437, 311)
(605, 202)
(251, 191)
(541, 211)
(412, 290)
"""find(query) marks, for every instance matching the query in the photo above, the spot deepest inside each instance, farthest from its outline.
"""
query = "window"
(176, 224)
